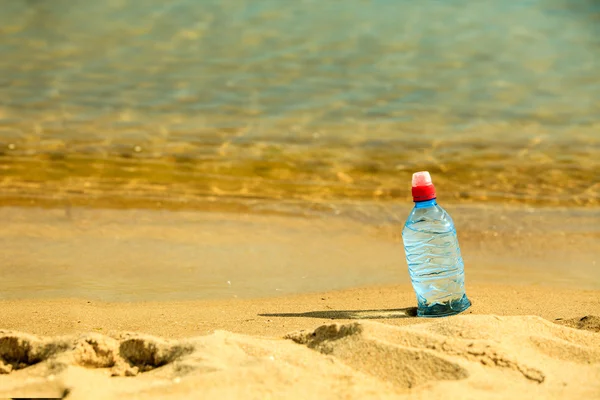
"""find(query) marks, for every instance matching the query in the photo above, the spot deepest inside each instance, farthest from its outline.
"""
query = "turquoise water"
(147, 101)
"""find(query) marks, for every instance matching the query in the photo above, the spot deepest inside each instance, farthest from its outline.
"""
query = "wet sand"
(145, 255)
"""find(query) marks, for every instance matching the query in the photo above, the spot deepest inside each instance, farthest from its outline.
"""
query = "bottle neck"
(426, 203)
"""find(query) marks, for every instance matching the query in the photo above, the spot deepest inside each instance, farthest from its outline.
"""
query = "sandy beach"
(514, 342)
(101, 303)
(206, 199)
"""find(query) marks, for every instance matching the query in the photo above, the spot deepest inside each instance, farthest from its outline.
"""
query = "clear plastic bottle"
(433, 256)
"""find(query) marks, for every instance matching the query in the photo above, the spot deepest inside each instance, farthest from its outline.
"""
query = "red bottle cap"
(422, 187)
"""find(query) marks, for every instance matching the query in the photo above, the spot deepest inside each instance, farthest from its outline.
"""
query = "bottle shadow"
(408, 312)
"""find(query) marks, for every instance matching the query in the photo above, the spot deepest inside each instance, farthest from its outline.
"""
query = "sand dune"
(470, 356)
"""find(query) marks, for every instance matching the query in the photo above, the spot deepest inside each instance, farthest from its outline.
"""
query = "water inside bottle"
(434, 262)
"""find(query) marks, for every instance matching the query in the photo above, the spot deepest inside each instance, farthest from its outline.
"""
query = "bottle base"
(452, 307)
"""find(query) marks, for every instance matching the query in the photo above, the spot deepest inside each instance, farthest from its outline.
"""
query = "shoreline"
(133, 255)
(302, 206)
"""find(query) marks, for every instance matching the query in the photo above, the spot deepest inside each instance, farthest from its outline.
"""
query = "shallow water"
(181, 103)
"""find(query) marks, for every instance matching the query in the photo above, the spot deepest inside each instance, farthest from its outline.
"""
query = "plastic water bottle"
(435, 265)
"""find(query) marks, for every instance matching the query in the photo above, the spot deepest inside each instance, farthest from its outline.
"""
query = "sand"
(108, 303)
(139, 255)
(515, 342)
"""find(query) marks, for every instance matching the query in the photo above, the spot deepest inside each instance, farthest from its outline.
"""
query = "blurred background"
(301, 107)
(142, 100)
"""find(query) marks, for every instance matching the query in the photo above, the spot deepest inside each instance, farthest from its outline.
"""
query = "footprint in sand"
(488, 354)
(413, 355)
